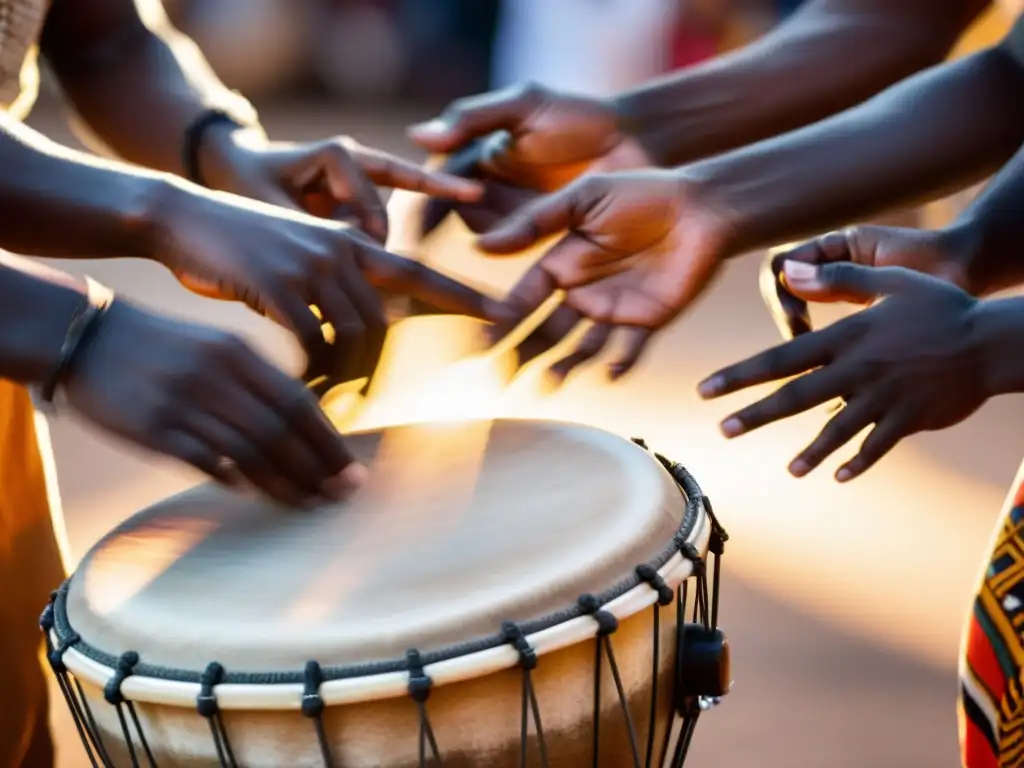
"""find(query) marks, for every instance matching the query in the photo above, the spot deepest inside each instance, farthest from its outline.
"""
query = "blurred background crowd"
(358, 50)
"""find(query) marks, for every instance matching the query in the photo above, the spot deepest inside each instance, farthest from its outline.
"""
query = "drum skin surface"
(454, 533)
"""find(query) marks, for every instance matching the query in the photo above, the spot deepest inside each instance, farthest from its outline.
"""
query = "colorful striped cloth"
(991, 714)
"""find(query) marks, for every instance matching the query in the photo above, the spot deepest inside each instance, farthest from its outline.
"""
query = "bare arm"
(829, 56)
(940, 130)
(136, 82)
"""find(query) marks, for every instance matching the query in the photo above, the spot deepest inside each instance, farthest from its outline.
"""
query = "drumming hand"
(203, 396)
(535, 137)
(280, 262)
(334, 178)
(640, 247)
(918, 360)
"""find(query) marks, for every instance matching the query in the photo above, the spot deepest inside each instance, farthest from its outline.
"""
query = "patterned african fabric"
(991, 711)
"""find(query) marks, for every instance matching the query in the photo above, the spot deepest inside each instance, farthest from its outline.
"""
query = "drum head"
(458, 529)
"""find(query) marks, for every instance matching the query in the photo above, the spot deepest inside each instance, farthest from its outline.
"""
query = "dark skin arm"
(936, 132)
(828, 56)
(138, 85)
(30, 341)
(136, 82)
(641, 246)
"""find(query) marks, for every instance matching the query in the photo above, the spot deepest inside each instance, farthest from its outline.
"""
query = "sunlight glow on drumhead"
(125, 565)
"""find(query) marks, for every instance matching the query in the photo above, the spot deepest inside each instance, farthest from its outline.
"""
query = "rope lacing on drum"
(72, 691)
(419, 690)
(112, 693)
(705, 605)
(606, 626)
(313, 707)
(527, 662)
(207, 706)
(666, 595)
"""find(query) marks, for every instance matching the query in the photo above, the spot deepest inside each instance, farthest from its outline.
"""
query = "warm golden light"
(125, 565)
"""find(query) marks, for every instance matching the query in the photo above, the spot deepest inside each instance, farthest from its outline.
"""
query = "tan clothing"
(30, 564)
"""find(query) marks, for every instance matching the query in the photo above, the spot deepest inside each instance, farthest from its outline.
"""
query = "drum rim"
(668, 561)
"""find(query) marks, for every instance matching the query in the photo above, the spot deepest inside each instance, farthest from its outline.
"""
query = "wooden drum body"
(542, 589)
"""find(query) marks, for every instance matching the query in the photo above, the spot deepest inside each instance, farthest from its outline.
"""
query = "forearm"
(830, 55)
(37, 305)
(990, 232)
(938, 131)
(59, 203)
(139, 90)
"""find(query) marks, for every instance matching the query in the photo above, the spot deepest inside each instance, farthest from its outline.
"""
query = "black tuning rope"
(419, 690)
(313, 708)
(607, 624)
(206, 706)
(112, 693)
(527, 662)
(72, 691)
(648, 574)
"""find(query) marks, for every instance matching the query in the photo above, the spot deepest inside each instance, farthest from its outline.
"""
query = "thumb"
(856, 245)
(541, 218)
(845, 281)
(475, 117)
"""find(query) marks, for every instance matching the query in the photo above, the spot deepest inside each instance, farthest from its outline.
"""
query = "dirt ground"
(843, 604)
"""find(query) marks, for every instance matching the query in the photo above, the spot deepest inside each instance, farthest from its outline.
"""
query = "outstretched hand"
(911, 363)
(638, 248)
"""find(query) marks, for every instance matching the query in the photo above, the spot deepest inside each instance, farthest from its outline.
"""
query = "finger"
(797, 356)
(292, 459)
(291, 310)
(883, 438)
(533, 289)
(840, 429)
(372, 315)
(344, 354)
(396, 274)
(591, 345)
(191, 450)
(247, 456)
(544, 217)
(558, 325)
(854, 283)
(298, 406)
(792, 398)
(390, 171)
(346, 183)
(637, 340)
(474, 117)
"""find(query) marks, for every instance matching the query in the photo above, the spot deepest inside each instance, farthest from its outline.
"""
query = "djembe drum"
(558, 610)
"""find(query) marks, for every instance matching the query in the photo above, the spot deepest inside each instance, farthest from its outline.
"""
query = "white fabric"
(595, 47)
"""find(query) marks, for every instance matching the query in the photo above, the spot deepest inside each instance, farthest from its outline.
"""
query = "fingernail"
(800, 272)
(616, 371)
(732, 427)
(710, 387)
(342, 484)
(799, 468)
(844, 475)
(434, 127)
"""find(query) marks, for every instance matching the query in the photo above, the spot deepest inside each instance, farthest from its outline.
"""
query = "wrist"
(998, 337)
(218, 149)
(986, 258)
